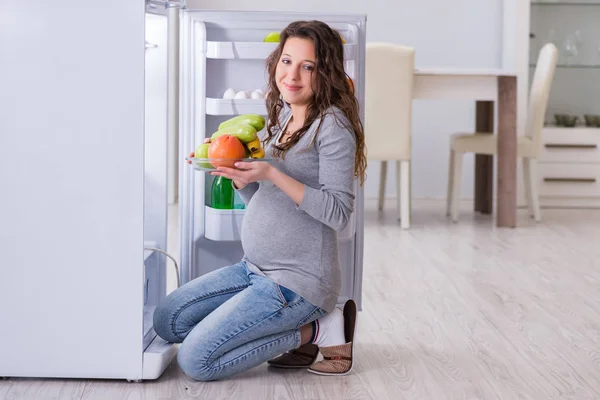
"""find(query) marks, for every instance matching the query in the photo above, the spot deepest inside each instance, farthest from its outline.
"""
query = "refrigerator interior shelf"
(223, 224)
(254, 50)
(235, 106)
(226, 225)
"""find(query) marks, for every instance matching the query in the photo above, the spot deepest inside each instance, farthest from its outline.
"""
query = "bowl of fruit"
(235, 140)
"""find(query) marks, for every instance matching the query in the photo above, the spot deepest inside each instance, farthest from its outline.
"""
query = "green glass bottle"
(222, 194)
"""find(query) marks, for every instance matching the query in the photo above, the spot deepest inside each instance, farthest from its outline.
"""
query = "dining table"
(494, 91)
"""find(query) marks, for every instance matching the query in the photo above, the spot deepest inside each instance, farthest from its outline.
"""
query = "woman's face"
(294, 73)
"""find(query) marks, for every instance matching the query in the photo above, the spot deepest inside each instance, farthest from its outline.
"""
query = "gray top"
(296, 246)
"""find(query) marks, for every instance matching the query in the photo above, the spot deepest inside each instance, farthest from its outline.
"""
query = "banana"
(258, 154)
(255, 148)
(254, 145)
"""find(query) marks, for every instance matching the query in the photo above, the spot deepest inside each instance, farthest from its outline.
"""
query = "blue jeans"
(231, 320)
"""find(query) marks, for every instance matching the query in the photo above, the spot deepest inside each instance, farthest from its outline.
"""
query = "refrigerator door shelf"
(148, 324)
(254, 50)
(157, 358)
(223, 225)
(235, 106)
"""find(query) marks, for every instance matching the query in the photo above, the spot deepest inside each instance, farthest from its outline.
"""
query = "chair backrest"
(539, 93)
(389, 72)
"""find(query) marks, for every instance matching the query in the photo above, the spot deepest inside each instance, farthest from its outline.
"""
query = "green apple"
(272, 37)
(202, 152)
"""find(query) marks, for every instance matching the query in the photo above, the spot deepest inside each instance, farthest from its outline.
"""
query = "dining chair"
(528, 145)
(389, 74)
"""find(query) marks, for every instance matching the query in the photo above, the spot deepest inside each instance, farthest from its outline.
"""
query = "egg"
(229, 93)
(242, 94)
(256, 95)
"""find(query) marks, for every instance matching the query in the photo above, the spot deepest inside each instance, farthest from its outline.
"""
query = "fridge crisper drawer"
(223, 224)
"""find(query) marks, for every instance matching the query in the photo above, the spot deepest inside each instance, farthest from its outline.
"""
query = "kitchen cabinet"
(570, 159)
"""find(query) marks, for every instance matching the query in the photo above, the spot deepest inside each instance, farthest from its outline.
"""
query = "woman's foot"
(303, 357)
(329, 330)
(326, 331)
(337, 353)
(333, 335)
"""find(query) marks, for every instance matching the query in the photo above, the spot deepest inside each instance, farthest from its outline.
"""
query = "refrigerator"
(92, 152)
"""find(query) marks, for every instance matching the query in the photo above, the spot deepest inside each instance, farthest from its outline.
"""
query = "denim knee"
(192, 364)
(162, 321)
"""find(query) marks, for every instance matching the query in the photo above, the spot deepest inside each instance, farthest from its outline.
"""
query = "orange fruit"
(351, 85)
(225, 150)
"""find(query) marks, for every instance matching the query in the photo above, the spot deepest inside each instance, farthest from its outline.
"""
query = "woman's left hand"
(248, 172)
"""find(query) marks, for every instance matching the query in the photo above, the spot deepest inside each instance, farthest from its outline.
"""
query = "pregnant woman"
(280, 299)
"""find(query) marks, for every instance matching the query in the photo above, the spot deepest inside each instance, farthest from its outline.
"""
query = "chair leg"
(456, 183)
(399, 183)
(404, 193)
(382, 179)
(533, 182)
(527, 184)
(450, 183)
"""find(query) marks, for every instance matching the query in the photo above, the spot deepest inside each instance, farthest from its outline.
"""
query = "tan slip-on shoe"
(303, 357)
(338, 360)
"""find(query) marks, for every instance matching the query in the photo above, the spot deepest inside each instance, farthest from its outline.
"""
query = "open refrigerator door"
(161, 50)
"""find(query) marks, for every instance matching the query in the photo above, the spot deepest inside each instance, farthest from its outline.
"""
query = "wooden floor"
(451, 311)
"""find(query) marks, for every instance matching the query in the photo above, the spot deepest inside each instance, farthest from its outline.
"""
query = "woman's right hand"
(191, 155)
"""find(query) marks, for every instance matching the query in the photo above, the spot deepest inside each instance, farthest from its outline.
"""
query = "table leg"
(484, 164)
(507, 152)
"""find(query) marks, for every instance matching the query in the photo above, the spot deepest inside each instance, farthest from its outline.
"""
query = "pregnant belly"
(275, 232)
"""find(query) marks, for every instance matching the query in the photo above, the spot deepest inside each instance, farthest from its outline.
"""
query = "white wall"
(460, 33)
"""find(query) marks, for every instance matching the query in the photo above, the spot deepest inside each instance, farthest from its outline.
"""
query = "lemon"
(272, 37)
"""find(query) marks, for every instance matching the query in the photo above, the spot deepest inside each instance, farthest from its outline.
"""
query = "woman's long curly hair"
(331, 88)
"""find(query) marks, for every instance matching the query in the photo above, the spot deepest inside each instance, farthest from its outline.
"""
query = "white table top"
(443, 83)
(443, 71)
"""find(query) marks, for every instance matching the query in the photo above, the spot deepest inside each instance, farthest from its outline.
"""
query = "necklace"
(286, 136)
